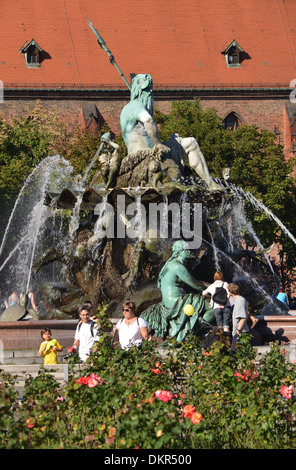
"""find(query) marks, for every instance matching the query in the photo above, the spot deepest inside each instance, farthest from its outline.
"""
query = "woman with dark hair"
(131, 330)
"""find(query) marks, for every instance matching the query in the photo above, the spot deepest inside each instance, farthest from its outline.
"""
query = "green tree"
(82, 149)
(24, 142)
(187, 118)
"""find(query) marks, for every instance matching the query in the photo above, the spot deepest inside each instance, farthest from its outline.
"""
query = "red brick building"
(238, 56)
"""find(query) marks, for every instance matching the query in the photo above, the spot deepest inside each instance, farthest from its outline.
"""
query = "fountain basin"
(21, 335)
(277, 328)
(27, 334)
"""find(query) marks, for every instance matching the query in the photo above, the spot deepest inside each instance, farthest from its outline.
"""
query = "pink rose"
(164, 395)
(287, 392)
(91, 381)
(94, 380)
(247, 376)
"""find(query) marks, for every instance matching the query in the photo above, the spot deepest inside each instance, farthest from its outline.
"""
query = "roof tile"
(177, 42)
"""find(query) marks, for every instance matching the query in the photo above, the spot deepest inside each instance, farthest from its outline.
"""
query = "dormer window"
(32, 54)
(233, 54)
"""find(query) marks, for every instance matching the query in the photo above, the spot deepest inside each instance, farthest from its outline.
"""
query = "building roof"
(179, 42)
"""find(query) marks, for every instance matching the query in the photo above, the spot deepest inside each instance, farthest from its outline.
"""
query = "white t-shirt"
(130, 334)
(212, 289)
(86, 339)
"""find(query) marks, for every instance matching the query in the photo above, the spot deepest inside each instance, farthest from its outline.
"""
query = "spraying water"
(258, 205)
(95, 157)
(24, 230)
(74, 222)
(242, 222)
(31, 179)
(214, 248)
(32, 219)
(101, 218)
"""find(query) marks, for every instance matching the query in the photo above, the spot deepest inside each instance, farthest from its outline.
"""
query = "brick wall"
(264, 113)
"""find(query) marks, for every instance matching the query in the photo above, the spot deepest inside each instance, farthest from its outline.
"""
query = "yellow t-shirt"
(50, 356)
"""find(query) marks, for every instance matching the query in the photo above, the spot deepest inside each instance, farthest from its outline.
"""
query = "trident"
(105, 48)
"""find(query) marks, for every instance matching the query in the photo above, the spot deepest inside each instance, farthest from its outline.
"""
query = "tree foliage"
(187, 118)
(24, 142)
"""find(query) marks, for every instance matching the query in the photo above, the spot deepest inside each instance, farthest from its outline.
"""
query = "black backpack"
(220, 296)
(91, 327)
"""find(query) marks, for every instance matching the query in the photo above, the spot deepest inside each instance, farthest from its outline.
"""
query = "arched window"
(293, 144)
(231, 121)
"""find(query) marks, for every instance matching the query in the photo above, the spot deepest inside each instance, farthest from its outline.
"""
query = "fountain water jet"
(258, 205)
(26, 224)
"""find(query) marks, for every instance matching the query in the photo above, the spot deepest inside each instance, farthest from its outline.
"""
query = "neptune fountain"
(137, 207)
(148, 228)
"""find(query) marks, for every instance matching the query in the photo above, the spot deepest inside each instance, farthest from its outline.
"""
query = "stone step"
(26, 334)
(289, 350)
(25, 356)
(21, 372)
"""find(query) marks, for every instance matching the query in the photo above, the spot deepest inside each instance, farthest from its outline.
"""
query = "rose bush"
(200, 399)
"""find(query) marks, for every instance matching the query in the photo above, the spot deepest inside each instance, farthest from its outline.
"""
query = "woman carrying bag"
(130, 330)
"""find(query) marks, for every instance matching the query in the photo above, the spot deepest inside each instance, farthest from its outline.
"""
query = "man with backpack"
(87, 332)
(218, 291)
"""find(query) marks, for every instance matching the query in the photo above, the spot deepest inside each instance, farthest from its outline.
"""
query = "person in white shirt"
(223, 313)
(87, 332)
(131, 330)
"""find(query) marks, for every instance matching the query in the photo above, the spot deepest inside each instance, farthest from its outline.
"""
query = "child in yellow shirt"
(49, 347)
